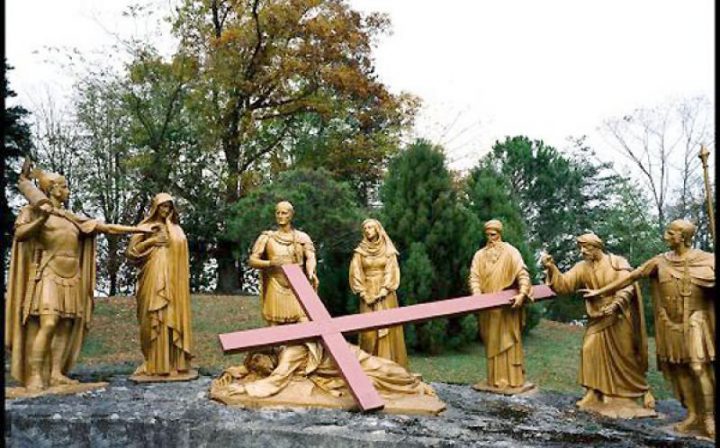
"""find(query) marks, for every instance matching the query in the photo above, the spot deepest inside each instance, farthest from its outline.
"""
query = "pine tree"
(434, 234)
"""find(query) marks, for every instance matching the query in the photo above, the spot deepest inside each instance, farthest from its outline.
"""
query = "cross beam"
(330, 330)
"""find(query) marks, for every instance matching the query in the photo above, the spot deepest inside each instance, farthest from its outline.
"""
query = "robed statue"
(613, 358)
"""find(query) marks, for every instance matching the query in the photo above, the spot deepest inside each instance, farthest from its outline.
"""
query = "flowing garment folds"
(683, 289)
(39, 284)
(163, 299)
(613, 358)
(374, 266)
(494, 268)
(310, 360)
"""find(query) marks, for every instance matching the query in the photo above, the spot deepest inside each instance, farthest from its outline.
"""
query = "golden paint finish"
(682, 284)
(496, 267)
(163, 294)
(613, 357)
(375, 276)
(273, 249)
(51, 283)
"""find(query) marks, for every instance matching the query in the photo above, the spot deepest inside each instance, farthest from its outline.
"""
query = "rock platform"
(180, 414)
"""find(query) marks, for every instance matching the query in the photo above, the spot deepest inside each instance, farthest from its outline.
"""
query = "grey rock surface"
(181, 415)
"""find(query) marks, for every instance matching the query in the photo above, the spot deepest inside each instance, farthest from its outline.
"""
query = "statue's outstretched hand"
(588, 293)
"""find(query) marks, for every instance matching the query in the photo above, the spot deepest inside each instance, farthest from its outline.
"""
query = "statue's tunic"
(684, 307)
(613, 359)
(369, 273)
(52, 273)
(495, 268)
(279, 304)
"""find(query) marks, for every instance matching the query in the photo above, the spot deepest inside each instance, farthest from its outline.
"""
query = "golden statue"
(375, 276)
(496, 267)
(163, 295)
(613, 359)
(51, 283)
(682, 283)
(304, 374)
(273, 249)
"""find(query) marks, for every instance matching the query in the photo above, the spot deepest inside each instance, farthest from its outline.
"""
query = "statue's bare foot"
(34, 384)
(689, 423)
(587, 400)
(709, 422)
(58, 379)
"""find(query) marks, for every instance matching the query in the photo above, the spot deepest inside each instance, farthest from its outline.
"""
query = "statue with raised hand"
(613, 358)
(682, 285)
(51, 282)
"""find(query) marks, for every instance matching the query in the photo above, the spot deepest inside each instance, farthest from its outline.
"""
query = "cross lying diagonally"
(330, 330)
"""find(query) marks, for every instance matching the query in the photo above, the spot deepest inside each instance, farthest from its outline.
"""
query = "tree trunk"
(228, 278)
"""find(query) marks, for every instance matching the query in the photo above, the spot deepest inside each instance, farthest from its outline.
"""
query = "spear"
(704, 153)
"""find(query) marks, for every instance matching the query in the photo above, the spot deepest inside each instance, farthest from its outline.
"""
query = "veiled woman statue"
(375, 276)
(163, 295)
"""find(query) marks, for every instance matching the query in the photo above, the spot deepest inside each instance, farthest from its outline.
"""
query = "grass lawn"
(552, 349)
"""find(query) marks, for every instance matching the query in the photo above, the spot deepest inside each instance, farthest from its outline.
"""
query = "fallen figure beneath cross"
(305, 375)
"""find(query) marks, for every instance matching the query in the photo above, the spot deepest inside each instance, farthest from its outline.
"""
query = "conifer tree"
(435, 235)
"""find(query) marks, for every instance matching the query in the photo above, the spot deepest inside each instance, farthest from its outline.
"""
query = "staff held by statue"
(704, 153)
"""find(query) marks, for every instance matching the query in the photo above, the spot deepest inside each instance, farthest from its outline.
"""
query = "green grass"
(552, 349)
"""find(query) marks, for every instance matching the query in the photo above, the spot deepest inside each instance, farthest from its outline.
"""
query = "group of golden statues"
(52, 283)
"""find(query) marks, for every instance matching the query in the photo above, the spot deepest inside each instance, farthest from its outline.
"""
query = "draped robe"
(163, 301)
(494, 268)
(613, 358)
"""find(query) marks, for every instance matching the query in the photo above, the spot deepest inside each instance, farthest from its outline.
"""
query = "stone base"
(64, 389)
(184, 376)
(525, 389)
(624, 409)
(180, 414)
(303, 393)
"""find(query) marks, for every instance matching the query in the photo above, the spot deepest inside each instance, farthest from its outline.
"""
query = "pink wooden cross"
(330, 330)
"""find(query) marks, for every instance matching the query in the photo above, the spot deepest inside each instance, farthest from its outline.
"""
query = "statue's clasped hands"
(610, 308)
(376, 298)
(158, 237)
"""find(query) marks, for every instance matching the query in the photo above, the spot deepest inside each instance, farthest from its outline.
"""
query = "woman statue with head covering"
(163, 294)
(375, 276)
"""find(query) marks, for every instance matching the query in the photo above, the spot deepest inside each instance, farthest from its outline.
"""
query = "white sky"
(484, 69)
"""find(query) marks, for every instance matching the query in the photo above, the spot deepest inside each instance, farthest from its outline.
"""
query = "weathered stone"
(181, 415)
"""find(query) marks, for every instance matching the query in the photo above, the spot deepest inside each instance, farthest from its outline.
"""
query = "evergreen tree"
(16, 144)
(436, 237)
(489, 197)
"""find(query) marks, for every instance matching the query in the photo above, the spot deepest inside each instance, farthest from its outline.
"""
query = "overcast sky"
(548, 69)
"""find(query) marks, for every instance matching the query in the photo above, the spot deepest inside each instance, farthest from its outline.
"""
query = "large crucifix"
(330, 330)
